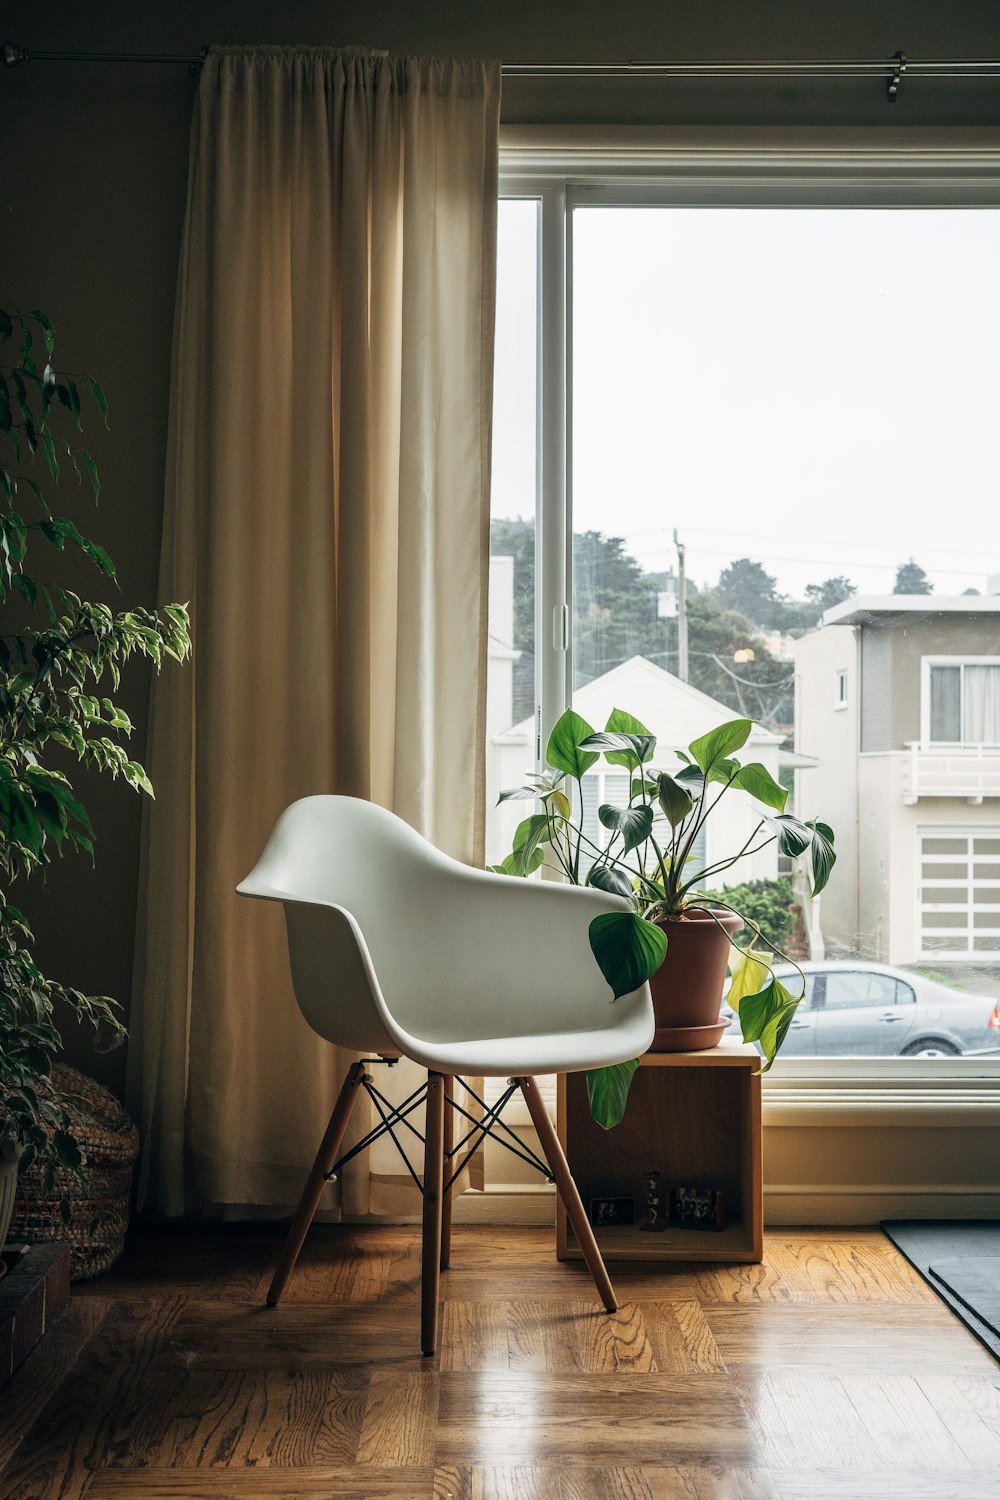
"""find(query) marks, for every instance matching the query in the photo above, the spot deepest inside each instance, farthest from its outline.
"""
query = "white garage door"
(960, 892)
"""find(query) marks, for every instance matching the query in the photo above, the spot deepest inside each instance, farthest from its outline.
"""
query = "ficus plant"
(59, 657)
(649, 861)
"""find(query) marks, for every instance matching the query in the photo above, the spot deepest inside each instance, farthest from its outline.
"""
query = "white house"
(900, 696)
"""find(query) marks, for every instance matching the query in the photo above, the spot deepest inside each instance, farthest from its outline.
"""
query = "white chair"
(397, 950)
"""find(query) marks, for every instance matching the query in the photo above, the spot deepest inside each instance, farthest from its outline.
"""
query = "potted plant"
(57, 657)
(676, 933)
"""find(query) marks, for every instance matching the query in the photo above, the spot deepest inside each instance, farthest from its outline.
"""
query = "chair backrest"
(389, 939)
(346, 853)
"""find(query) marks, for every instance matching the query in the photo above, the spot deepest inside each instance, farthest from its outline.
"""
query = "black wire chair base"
(490, 1124)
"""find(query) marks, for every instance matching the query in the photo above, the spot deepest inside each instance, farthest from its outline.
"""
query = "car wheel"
(932, 1046)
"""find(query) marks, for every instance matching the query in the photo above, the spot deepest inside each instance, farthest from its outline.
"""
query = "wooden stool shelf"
(694, 1117)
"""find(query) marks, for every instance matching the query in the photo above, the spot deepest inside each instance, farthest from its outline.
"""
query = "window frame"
(926, 663)
(564, 170)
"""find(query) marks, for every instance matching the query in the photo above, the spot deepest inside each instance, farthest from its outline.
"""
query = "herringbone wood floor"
(828, 1371)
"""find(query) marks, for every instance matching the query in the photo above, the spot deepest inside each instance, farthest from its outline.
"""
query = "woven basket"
(99, 1206)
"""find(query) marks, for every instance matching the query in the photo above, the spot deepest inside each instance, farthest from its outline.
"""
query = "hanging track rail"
(888, 70)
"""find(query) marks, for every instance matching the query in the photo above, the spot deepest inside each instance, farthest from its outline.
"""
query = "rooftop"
(862, 609)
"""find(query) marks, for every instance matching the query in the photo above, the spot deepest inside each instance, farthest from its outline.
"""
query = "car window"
(905, 995)
(850, 988)
(790, 979)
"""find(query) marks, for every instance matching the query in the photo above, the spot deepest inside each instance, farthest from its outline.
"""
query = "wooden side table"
(694, 1117)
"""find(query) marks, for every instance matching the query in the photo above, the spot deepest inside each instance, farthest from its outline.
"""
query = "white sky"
(817, 389)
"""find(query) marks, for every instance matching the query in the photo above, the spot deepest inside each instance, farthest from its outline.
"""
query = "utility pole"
(682, 618)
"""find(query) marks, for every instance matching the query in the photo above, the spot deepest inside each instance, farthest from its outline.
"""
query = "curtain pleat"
(326, 515)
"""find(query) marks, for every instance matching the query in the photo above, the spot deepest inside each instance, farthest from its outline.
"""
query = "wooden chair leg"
(430, 1280)
(316, 1182)
(572, 1202)
(449, 1141)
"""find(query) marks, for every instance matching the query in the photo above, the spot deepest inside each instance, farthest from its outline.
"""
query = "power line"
(843, 562)
(821, 541)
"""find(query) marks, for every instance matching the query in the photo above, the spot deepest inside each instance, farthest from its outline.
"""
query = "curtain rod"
(891, 69)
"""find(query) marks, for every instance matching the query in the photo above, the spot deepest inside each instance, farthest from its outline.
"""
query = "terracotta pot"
(687, 988)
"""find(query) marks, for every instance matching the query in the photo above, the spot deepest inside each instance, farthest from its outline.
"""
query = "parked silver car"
(853, 1008)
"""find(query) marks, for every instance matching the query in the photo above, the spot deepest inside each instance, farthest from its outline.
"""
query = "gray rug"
(960, 1260)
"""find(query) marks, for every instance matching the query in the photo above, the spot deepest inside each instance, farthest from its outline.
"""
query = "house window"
(840, 688)
(963, 702)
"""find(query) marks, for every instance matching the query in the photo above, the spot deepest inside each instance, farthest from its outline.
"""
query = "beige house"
(899, 699)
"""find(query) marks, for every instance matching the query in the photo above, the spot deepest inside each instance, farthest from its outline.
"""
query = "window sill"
(894, 1092)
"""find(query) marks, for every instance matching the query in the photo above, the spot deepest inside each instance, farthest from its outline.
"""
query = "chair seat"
(552, 1052)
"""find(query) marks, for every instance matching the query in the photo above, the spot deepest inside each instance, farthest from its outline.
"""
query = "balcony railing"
(969, 771)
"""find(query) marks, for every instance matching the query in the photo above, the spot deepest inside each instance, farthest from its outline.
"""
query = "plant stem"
(726, 864)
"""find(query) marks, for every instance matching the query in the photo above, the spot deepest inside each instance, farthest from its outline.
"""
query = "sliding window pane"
(510, 740)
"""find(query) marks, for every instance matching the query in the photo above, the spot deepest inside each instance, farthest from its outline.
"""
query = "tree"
(516, 539)
(615, 616)
(832, 591)
(614, 608)
(745, 587)
(58, 662)
(760, 689)
(911, 579)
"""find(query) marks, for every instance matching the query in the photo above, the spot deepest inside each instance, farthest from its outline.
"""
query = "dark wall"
(95, 159)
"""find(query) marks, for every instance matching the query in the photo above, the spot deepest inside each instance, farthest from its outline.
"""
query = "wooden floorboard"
(829, 1372)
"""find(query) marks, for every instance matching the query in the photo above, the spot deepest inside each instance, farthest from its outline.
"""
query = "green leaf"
(74, 400)
(635, 824)
(674, 799)
(563, 751)
(92, 471)
(517, 793)
(605, 877)
(627, 949)
(691, 776)
(515, 865)
(750, 975)
(41, 318)
(758, 781)
(558, 803)
(720, 742)
(50, 455)
(100, 398)
(67, 1150)
(766, 1017)
(100, 558)
(629, 750)
(25, 587)
(530, 833)
(822, 854)
(794, 837)
(607, 1092)
(621, 722)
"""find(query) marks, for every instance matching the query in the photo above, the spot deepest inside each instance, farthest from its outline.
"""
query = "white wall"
(829, 790)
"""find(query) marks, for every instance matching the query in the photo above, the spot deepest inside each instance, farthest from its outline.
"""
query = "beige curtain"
(327, 517)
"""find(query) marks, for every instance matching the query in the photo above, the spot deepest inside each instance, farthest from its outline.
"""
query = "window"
(701, 398)
(846, 989)
(963, 705)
